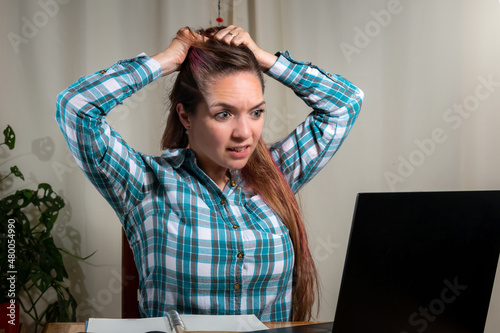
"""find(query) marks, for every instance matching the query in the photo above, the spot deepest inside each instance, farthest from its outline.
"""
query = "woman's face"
(226, 127)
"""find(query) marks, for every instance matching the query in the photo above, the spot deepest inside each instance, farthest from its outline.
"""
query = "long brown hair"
(206, 62)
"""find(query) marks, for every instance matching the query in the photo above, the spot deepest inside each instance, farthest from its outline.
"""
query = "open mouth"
(238, 149)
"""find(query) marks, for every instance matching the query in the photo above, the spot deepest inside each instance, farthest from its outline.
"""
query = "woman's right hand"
(173, 56)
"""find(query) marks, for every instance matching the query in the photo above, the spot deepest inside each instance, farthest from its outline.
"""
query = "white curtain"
(430, 71)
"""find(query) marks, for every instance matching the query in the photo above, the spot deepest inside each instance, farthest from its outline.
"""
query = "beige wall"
(429, 121)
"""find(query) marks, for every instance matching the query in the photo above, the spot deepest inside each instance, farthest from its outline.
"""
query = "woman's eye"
(257, 113)
(222, 115)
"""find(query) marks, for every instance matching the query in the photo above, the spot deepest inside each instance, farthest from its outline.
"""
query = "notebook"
(418, 262)
(174, 322)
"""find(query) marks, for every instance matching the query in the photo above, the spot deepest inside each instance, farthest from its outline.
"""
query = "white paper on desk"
(207, 323)
(222, 323)
(104, 325)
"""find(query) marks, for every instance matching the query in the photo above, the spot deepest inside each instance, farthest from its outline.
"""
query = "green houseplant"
(28, 251)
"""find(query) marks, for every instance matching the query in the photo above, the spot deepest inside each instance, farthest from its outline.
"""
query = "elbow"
(356, 101)
(360, 98)
(63, 106)
(60, 101)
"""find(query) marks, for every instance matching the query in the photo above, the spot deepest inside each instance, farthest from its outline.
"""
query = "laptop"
(417, 262)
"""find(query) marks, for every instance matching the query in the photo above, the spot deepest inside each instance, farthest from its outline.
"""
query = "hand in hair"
(173, 56)
(234, 35)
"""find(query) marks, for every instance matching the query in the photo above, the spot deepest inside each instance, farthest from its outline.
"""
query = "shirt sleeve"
(116, 170)
(336, 104)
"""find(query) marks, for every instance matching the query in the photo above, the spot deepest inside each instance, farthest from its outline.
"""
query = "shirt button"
(240, 255)
(237, 286)
(223, 202)
(102, 72)
(233, 183)
(235, 226)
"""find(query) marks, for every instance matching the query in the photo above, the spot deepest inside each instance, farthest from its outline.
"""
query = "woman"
(213, 221)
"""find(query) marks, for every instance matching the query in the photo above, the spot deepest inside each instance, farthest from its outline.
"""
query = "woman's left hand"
(234, 35)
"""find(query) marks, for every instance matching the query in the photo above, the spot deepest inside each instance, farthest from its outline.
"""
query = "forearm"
(167, 62)
(97, 94)
(83, 105)
(266, 60)
(336, 103)
(318, 88)
(99, 151)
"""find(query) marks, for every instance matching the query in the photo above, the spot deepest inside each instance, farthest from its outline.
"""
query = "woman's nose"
(242, 128)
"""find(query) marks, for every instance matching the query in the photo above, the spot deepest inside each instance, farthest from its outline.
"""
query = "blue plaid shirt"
(200, 249)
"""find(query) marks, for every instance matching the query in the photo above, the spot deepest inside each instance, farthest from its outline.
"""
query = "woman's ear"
(183, 116)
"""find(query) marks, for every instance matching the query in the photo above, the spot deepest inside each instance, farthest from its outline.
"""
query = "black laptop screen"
(420, 262)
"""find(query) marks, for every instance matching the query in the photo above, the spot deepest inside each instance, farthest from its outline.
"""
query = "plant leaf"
(16, 172)
(53, 204)
(10, 137)
(64, 309)
(51, 260)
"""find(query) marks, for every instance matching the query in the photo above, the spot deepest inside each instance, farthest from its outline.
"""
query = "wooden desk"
(80, 327)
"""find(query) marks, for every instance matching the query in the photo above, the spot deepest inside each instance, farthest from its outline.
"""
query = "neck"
(218, 174)
(221, 179)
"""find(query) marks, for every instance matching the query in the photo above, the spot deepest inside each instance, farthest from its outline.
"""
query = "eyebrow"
(229, 106)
